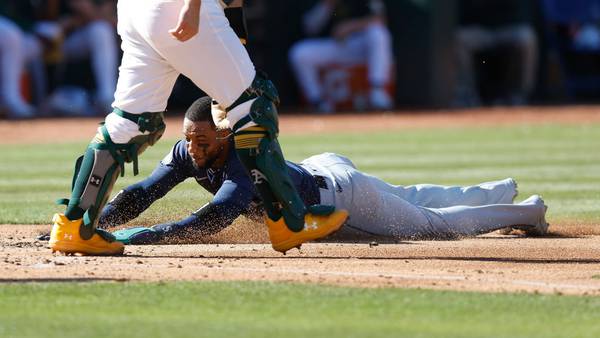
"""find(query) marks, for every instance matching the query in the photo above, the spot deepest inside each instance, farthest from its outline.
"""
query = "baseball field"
(351, 284)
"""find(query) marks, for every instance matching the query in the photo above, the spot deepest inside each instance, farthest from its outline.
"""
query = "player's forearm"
(127, 205)
(209, 220)
(135, 199)
(193, 3)
(188, 22)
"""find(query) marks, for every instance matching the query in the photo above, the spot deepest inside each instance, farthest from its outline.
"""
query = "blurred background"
(61, 57)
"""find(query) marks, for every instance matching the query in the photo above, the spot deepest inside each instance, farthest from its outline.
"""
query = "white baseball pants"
(372, 46)
(214, 59)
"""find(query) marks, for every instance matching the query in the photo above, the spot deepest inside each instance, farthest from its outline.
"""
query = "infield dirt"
(558, 264)
(567, 261)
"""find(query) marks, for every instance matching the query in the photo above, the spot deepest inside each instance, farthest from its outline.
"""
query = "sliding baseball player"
(207, 155)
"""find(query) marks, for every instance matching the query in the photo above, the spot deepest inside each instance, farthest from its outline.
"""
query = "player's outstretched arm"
(189, 21)
(135, 199)
(232, 199)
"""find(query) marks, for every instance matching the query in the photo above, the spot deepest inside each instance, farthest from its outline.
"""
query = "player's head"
(204, 142)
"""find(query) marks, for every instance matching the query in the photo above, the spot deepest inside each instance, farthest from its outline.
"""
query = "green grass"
(234, 309)
(558, 161)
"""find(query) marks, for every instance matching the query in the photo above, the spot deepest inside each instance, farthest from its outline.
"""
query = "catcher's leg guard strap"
(97, 171)
(263, 110)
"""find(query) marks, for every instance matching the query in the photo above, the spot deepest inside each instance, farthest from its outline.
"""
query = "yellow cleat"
(65, 238)
(315, 227)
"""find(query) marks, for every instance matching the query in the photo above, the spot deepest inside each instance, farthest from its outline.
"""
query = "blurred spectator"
(573, 32)
(357, 34)
(19, 50)
(490, 25)
(87, 29)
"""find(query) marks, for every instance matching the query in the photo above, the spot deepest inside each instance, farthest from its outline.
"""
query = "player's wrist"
(193, 3)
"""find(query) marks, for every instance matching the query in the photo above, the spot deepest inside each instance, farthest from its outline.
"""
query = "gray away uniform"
(422, 210)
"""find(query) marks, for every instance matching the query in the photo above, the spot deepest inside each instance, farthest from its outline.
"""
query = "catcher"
(374, 206)
(162, 39)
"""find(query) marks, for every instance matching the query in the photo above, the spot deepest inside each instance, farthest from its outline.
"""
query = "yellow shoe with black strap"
(65, 238)
(315, 227)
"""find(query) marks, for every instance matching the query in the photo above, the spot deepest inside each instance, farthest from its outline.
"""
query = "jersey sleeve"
(230, 201)
(130, 202)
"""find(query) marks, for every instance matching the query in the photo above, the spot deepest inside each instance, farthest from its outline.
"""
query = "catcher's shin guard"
(263, 158)
(97, 170)
(259, 151)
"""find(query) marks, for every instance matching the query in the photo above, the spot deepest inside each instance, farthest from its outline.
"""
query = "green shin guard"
(269, 174)
(98, 169)
(259, 151)
(91, 188)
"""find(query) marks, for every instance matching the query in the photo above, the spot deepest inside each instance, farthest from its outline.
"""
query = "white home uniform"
(377, 207)
(214, 59)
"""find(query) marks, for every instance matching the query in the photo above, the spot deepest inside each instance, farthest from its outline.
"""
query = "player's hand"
(189, 21)
(137, 236)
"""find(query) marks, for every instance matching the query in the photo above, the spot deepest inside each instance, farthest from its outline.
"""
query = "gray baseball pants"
(422, 210)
